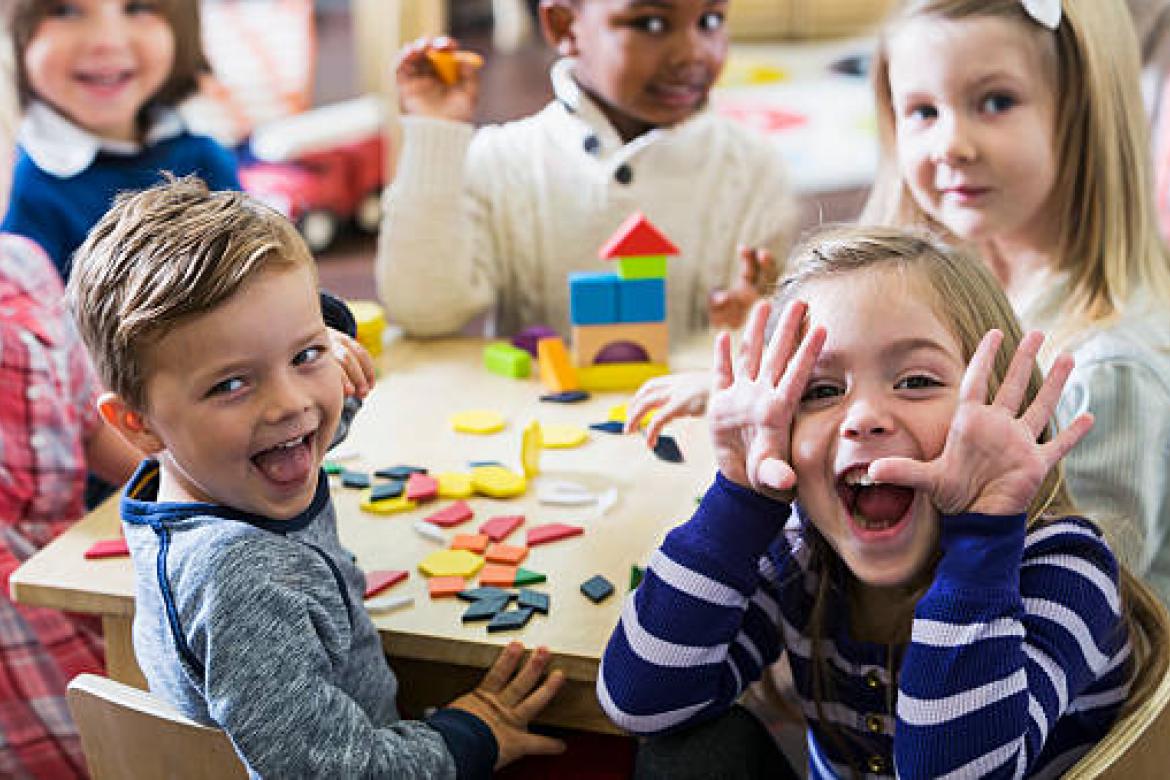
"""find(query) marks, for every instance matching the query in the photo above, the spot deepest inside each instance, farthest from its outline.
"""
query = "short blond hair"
(1109, 246)
(162, 256)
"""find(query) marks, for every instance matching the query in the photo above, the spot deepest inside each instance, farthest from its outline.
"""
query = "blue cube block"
(593, 298)
(641, 300)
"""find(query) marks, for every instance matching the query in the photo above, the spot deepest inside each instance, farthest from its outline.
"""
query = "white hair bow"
(1045, 12)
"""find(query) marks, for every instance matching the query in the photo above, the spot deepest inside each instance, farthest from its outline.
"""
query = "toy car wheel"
(369, 212)
(319, 228)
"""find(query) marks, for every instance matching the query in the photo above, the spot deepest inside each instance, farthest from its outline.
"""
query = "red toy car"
(322, 168)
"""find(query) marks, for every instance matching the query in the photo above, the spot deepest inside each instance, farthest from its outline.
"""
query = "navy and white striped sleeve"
(1008, 636)
(703, 624)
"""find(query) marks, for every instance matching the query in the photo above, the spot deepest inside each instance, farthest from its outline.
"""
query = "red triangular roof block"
(636, 237)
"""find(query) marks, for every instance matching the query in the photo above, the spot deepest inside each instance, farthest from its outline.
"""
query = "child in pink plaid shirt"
(50, 432)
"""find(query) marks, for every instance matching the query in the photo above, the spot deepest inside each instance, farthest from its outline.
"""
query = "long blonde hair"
(968, 301)
(1109, 245)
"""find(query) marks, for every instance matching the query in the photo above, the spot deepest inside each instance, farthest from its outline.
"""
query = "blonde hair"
(1103, 194)
(162, 256)
(966, 298)
(23, 17)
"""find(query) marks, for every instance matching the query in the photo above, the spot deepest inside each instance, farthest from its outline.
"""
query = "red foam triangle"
(636, 237)
(378, 581)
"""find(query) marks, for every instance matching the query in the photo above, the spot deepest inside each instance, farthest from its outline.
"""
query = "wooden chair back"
(126, 733)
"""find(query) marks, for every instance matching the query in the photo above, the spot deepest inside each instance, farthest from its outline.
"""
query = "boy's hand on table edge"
(510, 696)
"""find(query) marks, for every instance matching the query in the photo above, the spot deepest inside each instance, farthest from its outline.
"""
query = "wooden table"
(405, 421)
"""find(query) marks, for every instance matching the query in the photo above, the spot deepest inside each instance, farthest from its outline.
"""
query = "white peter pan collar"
(62, 148)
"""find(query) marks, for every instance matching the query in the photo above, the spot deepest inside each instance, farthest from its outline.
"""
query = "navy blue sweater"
(58, 212)
(1018, 660)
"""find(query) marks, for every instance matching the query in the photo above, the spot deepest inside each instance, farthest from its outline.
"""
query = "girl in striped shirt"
(890, 513)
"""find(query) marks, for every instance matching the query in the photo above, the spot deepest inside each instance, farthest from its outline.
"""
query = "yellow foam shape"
(498, 482)
(618, 413)
(556, 436)
(388, 506)
(601, 377)
(478, 421)
(454, 484)
(451, 563)
(530, 449)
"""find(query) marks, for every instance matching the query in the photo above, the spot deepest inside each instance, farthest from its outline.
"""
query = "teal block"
(502, 358)
(644, 267)
(593, 298)
(642, 300)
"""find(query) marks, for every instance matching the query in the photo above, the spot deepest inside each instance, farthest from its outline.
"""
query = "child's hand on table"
(355, 361)
(507, 699)
(674, 396)
(755, 397)
(992, 462)
(423, 91)
(757, 272)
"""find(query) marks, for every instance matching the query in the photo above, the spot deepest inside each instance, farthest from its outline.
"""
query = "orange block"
(556, 372)
(500, 575)
(506, 553)
(445, 586)
(474, 542)
(447, 63)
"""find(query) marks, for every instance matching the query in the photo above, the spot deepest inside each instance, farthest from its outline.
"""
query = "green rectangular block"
(502, 358)
(643, 267)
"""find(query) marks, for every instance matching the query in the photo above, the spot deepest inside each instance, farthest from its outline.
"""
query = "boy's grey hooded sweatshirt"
(257, 626)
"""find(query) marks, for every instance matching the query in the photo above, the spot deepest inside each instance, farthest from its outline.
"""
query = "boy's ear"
(556, 22)
(130, 423)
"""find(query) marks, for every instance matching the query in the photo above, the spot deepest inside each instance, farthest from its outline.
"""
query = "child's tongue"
(285, 464)
(883, 504)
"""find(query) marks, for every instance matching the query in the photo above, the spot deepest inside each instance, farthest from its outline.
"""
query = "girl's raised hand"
(756, 396)
(993, 462)
(421, 89)
(757, 271)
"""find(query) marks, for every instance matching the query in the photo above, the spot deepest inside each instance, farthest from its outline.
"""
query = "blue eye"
(923, 113)
(226, 387)
(997, 103)
(917, 382)
(308, 355)
(63, 10)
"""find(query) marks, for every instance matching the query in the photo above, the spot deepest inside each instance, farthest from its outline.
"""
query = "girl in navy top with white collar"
(99, 81)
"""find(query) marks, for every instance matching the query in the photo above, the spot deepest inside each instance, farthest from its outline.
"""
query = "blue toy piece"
(666, 448)
(355, 479)
(609, 426)
(399, 472)
(641, 300)
(566, 397)
(534, 599)
(597, 588)
(515, 618)
(486, 592)
(485, 609)
(385, 490)
(593, 298)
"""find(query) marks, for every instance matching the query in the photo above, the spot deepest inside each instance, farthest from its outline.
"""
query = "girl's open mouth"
(876, 511)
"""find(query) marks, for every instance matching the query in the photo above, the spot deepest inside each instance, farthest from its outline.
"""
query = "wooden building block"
(506, 553)
(593, 297)
(506, 360)
(441, 587)
(477, 543)
(551, 532)
(590, 340)
(501, 575)
(459, 512)
(378, 581)
(641, 300)
(498, 528)
(556, 372)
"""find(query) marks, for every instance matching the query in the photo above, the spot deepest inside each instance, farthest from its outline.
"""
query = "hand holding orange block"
(449, 64)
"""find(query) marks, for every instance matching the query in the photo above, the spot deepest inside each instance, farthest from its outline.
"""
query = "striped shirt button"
(873, 723)
(872, 681)
(37, 441)
(876, 764)
(33, 393)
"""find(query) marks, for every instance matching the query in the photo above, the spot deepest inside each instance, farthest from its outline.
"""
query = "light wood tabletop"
(405, 421)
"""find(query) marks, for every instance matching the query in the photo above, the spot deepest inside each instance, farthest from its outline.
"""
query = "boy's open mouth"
(288, 462)
(873, 506)
(104, 80)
